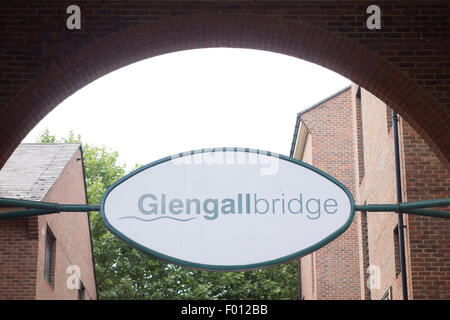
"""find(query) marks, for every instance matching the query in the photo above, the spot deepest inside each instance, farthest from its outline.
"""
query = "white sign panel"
(227, 209)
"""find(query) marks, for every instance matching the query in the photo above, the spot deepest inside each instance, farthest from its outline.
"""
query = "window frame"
(49, 258)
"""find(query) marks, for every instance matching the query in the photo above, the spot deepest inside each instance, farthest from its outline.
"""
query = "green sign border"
(189, 264)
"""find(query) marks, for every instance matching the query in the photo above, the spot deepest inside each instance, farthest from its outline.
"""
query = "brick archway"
(105, 54)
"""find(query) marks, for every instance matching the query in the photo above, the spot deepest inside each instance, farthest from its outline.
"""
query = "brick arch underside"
(348, 58)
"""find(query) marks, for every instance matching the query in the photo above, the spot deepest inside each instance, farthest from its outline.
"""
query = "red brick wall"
(378, 186)
(405, 63)
(308, 279)
(336, 266)
(71, 231)
(18, 254)
(352, 139)
(360, 218)
(427, 240)
(22, 245)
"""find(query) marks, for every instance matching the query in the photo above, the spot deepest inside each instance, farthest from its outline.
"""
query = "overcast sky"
(191, 100)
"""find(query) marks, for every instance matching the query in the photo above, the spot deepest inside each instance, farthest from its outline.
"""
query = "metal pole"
(416, 208)
(401, 237)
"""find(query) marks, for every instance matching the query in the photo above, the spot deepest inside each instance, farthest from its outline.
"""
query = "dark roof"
(297, 123)
(33, 169)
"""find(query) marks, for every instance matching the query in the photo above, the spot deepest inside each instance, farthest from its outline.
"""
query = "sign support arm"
(36, 208)
(33, 208)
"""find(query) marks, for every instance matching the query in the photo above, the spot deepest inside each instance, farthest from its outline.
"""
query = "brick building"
(349, 135)
(41, 256)
(405, 63)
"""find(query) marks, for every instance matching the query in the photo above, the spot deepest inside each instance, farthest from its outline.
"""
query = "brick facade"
(429, 238)
(73, 240)
(22, 245)
(18, 271)
(335, 267)
(423, 177)
(352, 139)
(405, 63)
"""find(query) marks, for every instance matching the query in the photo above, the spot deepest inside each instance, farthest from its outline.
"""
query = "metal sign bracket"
(36, 208)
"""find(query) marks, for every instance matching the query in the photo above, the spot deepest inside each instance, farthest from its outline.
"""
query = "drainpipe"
(401, 237)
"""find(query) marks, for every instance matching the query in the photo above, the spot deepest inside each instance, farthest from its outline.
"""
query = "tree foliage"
(123, 272)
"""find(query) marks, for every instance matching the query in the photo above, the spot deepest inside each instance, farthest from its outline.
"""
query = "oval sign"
(227, 209)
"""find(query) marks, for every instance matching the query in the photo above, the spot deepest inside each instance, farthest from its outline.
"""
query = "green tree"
(123, 272)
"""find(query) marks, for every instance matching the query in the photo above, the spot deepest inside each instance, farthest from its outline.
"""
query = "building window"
(396, 252)
(359, 132)
(49, 259)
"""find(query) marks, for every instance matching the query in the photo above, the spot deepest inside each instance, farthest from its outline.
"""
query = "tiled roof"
(32, 169)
